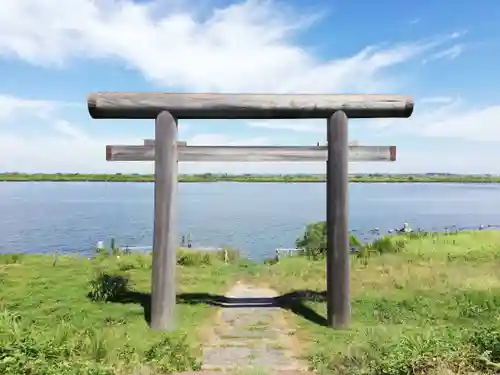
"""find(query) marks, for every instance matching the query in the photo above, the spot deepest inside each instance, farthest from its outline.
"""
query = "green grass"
(210, 177)
(56, 316)
(421, 305)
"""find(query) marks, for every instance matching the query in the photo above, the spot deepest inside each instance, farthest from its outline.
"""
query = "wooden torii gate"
(166, 152)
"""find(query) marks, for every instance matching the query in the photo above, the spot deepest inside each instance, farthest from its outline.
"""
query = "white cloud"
(458, 121)
(11, 106)
(74, 151)
(50, 154)
(451, 118)
(67, 129)
(67, 150)
(247, 46)
(57, 146)
(448, 54)
(65, 147)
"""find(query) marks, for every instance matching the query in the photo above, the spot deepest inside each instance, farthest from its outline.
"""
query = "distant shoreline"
(373, 178)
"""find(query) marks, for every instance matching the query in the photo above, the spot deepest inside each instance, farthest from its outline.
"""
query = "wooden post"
(165, 244)
(337, 231)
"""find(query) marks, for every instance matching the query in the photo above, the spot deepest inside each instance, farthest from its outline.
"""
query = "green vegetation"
(313, 241)
(422, 304)
(210, 177)
(71, 315)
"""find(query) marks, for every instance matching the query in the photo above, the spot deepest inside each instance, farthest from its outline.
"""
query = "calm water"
(255, 217)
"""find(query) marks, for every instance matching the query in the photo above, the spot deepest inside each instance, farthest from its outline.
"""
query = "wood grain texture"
(337, 228)
(165, 241)
(251, 153)
(147, 105)
(151, 142)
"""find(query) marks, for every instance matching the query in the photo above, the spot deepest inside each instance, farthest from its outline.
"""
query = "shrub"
(105, 287)
(313, 241)
(184, 257)
(382, 245)
(24, 351)
(196, 257)
(415, 354)
(11, 258)
(487, 342)
(172, 354)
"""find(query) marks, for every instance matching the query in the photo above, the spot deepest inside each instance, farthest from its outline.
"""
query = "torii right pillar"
(337, 229)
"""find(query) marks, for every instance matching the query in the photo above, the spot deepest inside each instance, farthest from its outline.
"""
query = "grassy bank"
(209, 177)
(426, 305)
(72, 315)
(421, 305)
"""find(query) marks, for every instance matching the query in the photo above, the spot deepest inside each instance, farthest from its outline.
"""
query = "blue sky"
(53, 53)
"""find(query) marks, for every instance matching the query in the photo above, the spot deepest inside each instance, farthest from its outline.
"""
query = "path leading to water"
(251, 332)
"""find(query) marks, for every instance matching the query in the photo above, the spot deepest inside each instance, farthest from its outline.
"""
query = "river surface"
(257, 218)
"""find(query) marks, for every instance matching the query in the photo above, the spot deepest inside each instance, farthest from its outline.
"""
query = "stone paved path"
(251, 332)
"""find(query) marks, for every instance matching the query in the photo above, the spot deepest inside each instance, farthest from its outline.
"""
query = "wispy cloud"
(69, 130)
(451, 118)
(12, 106)
(466, 122)
(448, 54)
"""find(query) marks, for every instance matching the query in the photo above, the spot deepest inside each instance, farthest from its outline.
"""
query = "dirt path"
(251, 332)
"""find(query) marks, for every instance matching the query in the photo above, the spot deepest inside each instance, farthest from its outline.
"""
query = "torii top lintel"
(147, 105)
